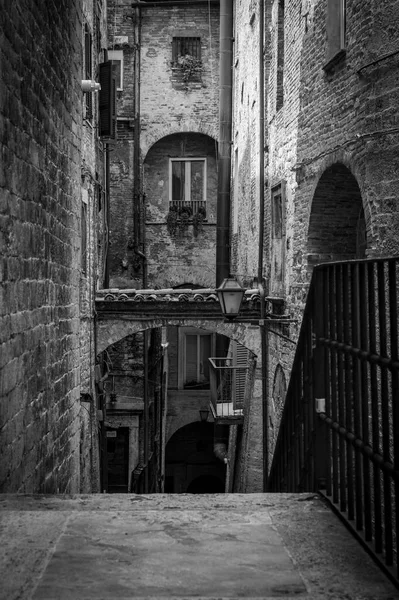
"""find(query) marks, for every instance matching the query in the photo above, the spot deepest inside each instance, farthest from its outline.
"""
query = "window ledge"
(334, 60)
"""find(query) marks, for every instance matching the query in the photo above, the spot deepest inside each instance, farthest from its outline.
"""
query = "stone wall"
(40, 121)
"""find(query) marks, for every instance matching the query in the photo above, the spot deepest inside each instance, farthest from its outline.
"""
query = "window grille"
(186, 45)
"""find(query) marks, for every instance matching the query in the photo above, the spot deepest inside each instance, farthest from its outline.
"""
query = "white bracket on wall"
(88, 86)
(320, 405)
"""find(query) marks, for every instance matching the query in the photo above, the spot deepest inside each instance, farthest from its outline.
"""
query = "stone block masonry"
(40, 124)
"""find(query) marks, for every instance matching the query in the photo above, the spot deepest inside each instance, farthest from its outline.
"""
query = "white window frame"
(117, 56)
(187, 190)
(183, 332)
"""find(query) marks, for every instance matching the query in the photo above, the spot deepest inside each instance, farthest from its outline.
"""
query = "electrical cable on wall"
(357, 138)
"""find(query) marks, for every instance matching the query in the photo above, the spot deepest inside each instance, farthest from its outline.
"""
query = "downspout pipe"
(262, 324)
(137, 234)
(225, 129)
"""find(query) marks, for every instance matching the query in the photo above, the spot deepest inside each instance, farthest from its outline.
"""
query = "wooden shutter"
(240, 359)
(335, 27)
(107, 101)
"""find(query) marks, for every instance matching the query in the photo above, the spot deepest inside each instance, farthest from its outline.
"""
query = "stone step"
(107, 547)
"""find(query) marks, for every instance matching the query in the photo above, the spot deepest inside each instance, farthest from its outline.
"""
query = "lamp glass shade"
(230, 295)
(204, 413)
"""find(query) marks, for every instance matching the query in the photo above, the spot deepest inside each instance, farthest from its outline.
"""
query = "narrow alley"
(181, 546)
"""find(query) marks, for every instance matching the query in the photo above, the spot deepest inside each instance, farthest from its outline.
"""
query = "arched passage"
(337, 224)
(190, 463)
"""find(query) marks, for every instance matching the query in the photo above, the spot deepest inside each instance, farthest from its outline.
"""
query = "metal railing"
(230, 384)
(339, 432)
(193, 205)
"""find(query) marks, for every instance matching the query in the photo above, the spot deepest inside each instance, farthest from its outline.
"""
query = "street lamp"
(230, 295)
(204, 413)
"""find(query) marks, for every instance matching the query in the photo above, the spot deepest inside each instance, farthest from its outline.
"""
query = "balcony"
(230, 386)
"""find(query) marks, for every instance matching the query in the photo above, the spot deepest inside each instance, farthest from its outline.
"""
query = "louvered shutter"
(240, 354)
(107, 101)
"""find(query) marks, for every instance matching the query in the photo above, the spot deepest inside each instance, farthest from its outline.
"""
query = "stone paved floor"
(181, 546)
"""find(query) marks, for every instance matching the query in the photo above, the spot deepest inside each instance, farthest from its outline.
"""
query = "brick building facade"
(330, 117)
(51, 172)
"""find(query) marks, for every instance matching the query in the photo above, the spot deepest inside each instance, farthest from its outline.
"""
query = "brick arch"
(111, 331)
(155, 133)
(336, 217)
(356, 168)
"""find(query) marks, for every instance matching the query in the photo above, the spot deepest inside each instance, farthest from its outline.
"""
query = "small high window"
(181, 46)
(83, 243)
(88, 70)
(335, 27)
(280, 56)
(187, 182)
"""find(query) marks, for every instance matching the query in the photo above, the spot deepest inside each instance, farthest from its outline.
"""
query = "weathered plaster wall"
(154, 104)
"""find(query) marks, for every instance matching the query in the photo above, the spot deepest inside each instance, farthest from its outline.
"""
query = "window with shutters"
(88, 70)
(196, 347)
(116, 57)
(240, 355)
(187, 183)
(107, 101)
(335, 29)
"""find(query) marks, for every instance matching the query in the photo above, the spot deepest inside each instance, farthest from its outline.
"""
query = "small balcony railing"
(230, 385)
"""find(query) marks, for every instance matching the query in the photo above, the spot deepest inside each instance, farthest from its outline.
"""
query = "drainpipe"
(224, 155)
(262, 324)
(137, 234)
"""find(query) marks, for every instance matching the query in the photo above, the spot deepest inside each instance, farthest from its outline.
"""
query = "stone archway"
(111, 330)
(337, 229)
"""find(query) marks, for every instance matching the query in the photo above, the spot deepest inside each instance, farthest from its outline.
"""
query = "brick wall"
(333, 142)
(245, 198)
(155, 107)
(40, 121)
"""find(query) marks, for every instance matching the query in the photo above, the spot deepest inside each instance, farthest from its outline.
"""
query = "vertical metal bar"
(319, 382)
(348, 390)
(334, 407)
(356, 394)
(341, 394)
(393, 317)
(327, 373)
(387, 495)
(374, 409)
(364, 392)
(307, 410)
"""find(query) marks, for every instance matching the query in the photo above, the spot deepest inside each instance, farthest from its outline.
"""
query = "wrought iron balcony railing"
(230, 386)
